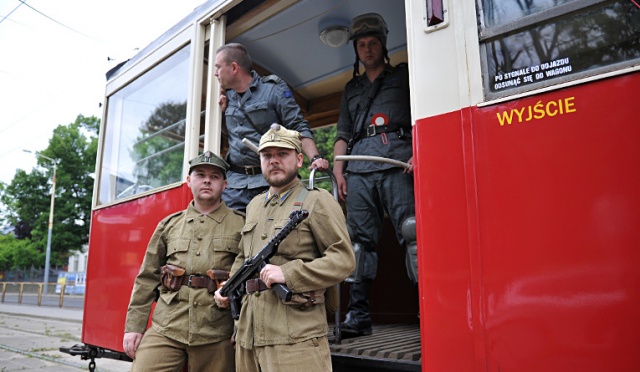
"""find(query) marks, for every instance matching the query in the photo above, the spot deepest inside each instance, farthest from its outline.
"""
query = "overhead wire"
(53, 20)
(14, 9)
(24, 2)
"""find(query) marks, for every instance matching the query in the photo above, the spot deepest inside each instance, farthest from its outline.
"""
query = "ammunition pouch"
(217, 278)
(171, 277)
(307, 299)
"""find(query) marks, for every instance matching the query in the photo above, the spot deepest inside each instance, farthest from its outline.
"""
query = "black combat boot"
(358, 320)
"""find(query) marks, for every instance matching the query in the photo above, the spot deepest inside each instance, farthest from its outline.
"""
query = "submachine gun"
(235, 288)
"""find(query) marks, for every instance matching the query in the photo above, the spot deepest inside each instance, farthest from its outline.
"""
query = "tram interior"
(286, 41)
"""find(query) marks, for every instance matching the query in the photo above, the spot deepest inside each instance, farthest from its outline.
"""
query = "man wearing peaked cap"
(179, 265)
(274, 335)
(279, 136)
(209, 158)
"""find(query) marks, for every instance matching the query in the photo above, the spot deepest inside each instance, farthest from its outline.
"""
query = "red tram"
(527, 172)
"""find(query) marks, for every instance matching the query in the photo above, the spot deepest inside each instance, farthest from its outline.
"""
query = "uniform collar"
(281, 197)
(218, 215)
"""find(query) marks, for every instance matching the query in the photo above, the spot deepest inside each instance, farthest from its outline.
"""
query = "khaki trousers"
(158, 353)
(308, 356)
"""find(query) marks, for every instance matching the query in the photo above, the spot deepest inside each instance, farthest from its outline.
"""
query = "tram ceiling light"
(335, 36)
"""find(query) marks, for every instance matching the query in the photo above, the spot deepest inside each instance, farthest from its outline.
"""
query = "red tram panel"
(528, 232)
(115, 260)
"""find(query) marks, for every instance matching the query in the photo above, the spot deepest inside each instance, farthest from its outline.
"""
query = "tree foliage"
(27, 199)
(324, 139)
(15, 253)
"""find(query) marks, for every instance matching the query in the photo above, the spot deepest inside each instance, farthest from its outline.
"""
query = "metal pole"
(48, 253)
(53, 198)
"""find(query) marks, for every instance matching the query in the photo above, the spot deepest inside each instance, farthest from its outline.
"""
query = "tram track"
(33, 354)
(31, 342)
(30, 339)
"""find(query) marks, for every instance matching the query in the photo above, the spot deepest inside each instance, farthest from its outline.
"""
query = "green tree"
(20, 204)
(324, 138)
(15, 253)
(27, 199)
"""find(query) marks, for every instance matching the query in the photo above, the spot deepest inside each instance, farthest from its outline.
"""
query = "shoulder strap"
(360, 121)
(271, 79)
(297, 205)
(249, 120)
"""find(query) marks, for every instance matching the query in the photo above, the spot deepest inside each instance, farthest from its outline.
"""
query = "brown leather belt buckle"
(195, 281)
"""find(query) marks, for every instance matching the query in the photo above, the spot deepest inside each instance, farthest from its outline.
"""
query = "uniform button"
(195, 304)
(197, 253)
(274, 203)
(257, 293)
(199, 238)
(263, 236)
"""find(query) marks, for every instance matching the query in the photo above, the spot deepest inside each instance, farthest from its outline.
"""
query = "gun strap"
(297, 205)
(359, 125)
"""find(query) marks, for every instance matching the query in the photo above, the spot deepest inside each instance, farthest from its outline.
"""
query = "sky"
(54, 55)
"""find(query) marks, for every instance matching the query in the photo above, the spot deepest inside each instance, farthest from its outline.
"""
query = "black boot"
(358, 320)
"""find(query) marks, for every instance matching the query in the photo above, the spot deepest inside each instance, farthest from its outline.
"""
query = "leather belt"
(374, 130)
(249, 170)
(255, 285)
(196, 281)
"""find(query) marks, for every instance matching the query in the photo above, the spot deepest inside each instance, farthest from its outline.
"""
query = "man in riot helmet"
(374, 120)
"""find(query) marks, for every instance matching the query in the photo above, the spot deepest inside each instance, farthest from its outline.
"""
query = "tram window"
(499, 12)
(555, 42)
(145, 128)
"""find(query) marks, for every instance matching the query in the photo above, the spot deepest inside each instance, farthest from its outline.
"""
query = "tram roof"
(287, 42)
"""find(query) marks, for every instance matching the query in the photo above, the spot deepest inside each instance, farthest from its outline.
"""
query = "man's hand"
(221, 302)
(410, 162)
(321, 164)
(130, 343)
(223, 101)
(272, 274)
(342, 186)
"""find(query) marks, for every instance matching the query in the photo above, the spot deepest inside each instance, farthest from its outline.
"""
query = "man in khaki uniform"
(186, 325)
(317, 255)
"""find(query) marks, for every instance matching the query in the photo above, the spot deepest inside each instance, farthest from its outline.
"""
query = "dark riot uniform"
(375, 188)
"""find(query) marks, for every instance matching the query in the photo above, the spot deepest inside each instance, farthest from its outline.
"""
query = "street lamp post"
(53, 198)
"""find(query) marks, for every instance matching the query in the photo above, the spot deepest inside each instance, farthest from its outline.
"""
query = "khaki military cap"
(211, 159)
(279, 136)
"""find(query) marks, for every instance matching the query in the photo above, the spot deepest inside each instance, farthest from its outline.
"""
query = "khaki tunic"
(315, 255)
(197, 243)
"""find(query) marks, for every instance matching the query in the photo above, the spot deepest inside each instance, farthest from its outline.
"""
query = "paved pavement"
(31, 335)
(46, 312)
